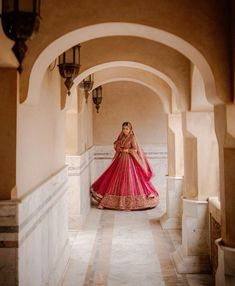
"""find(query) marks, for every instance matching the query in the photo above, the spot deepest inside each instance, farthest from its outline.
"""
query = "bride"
(126, 185)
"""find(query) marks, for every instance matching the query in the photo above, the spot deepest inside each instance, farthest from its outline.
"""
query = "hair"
(127, 123)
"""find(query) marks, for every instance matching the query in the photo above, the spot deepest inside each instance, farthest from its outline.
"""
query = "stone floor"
(117, 248)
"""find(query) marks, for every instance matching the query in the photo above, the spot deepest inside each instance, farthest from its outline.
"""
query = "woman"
(125, 185)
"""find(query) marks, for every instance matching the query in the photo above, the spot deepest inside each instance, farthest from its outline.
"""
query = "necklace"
(123, 140)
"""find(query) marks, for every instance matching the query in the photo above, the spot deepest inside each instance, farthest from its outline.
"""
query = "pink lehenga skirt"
(124, 186)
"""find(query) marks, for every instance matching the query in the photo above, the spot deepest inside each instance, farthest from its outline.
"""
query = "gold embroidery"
(126, 202)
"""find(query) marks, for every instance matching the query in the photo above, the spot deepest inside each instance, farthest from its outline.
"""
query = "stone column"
(201, 180)
(173, 216)
(225, 131)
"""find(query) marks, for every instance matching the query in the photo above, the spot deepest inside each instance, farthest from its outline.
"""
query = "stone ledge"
(214, 208)
(191, 264)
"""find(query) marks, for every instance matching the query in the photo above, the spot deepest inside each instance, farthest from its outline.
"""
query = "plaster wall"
(148, 79)
(164, 59)
(129, 102)
(201, 156)
(199, 101)
(79, 125)
(40, 136)
(175, 145)
(72, 133)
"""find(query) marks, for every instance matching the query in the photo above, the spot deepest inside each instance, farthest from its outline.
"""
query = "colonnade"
(201, 164)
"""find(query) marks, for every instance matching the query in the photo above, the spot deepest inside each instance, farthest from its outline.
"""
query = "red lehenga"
(126, 185)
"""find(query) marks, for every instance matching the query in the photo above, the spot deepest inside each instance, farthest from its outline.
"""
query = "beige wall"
(199, 101)
(127, 101)
(79, 124)
(40, 136)
(71, 133)
(8, 93)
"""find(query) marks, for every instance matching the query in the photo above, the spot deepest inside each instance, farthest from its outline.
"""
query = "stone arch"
(63, 43)
(165, 102)
(156, 77)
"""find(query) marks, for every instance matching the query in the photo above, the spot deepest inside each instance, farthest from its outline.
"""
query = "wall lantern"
(97, 97)
(87, 85)
(69, 66)
(20, 22)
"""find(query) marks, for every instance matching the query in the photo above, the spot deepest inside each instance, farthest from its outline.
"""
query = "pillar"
(78, 159)
(173, 216)
(225, 130)
(201, 180)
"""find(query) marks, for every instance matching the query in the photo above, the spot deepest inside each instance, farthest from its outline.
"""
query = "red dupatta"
(137, 153)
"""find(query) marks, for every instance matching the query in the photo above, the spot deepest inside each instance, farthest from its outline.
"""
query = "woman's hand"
(125, 150)
(117, 147)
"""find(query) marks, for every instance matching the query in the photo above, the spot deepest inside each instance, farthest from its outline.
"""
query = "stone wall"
(34, 247)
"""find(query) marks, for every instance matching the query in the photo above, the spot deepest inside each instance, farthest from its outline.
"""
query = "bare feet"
(100, 207)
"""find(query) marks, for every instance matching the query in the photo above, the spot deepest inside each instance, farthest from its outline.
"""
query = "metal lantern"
(97, 97)
(87, 85)
(20, 22)
(69, 65)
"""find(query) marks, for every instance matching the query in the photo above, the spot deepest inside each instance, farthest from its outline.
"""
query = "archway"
(114, 29)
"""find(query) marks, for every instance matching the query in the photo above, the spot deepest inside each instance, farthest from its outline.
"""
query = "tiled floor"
(119, 248)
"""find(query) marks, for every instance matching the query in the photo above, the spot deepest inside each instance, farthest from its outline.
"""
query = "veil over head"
(139, 155)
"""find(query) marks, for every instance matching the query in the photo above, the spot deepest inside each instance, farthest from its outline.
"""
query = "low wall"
(34, 246)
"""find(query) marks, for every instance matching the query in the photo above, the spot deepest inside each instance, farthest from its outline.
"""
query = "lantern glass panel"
(99, 92)
(38, 7)
(61, 59)
(8, 6)
(69, 56)
(77, 54)
(27, 5)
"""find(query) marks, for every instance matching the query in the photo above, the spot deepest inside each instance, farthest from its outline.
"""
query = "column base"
(193, 255)
(172, 219)
(170, 222)
(225, 274)
(191, 264)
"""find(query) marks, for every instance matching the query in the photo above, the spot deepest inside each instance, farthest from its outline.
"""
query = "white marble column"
(173, 216)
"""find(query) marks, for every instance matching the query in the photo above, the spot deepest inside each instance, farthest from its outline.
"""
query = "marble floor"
(116, 248)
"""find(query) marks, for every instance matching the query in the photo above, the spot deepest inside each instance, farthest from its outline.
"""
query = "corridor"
(71, 73)
(117, 248)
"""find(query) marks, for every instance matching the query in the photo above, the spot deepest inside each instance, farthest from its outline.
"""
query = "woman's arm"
(116, 145)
